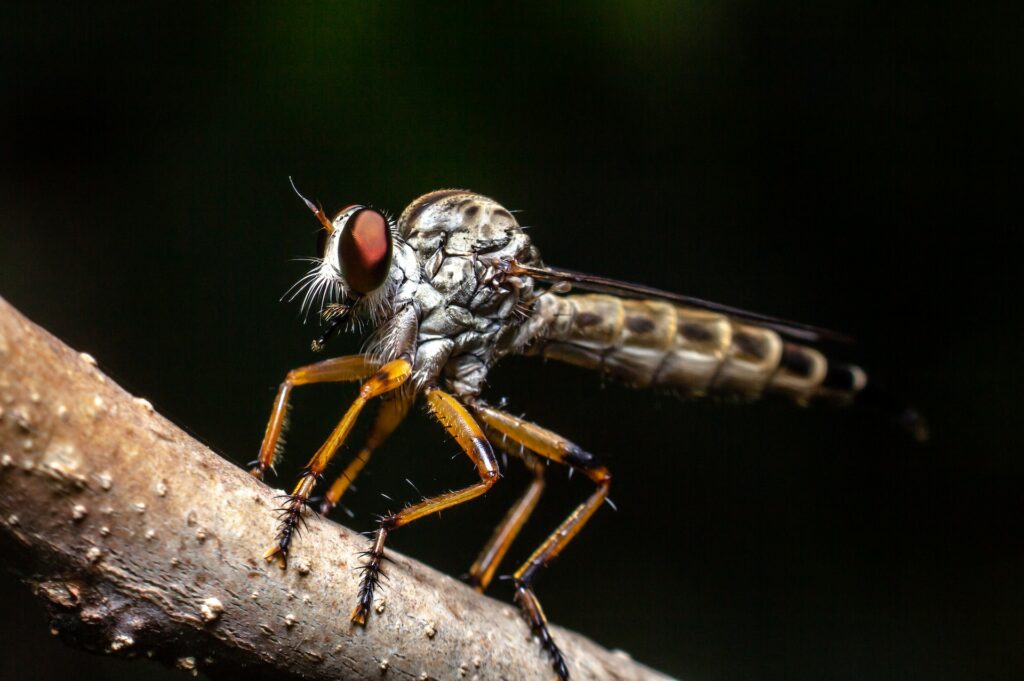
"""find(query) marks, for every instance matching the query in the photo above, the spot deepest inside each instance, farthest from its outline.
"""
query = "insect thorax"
(449, 312)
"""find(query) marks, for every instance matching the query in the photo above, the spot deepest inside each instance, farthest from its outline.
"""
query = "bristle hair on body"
(282, 438)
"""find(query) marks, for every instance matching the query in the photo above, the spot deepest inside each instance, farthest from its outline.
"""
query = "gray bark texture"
(142, 542)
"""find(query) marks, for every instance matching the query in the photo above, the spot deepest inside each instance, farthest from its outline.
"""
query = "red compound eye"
(365, 248)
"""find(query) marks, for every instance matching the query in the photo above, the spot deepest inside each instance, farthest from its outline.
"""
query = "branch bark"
(141, 541)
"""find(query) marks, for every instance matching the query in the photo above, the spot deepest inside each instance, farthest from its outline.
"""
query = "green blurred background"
(846, 165)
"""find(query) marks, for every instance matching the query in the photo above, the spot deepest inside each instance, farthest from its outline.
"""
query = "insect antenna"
(317, 211)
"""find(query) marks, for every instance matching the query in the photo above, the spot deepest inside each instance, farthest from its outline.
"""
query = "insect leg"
(391, 413)
(555, 447)
(482, 571)
(389, 377)
(458, 422)
(349, 368)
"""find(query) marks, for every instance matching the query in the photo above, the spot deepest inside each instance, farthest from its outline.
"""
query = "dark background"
(828, 162)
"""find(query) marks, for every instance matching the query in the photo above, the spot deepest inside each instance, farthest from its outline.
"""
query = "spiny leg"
(349, 368)
(523, 578)
(389, 377)
(391, 414)
(482, 571)
(555, 447)
(458, 422)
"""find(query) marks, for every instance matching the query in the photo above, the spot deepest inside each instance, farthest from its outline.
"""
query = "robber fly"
(454, 286)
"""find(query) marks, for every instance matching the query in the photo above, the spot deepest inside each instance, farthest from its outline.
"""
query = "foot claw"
(276, 552)
(473, 581)
(359, 614)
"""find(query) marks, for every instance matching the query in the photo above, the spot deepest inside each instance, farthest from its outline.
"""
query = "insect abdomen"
(649, 343)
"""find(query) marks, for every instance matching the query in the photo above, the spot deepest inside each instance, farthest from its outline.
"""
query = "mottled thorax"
(466, 318)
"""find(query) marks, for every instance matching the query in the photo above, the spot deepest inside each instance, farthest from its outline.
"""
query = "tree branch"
(141, 541)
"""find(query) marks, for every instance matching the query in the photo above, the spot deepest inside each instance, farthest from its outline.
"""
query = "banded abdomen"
(654, 344)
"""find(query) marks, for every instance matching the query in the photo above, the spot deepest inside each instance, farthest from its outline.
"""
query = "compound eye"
(365, 250)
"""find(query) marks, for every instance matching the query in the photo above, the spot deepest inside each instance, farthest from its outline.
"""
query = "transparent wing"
(589, 282)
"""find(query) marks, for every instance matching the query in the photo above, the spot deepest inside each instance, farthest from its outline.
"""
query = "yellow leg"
(458, 422)
(542, 441)
(350, 368)
(391, 414)
(482, 571)
(555, 447)
(389, 377)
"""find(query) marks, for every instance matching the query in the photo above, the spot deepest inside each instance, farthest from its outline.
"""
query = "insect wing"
(589, 282)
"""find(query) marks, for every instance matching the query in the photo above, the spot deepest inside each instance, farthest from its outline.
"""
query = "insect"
(450, 289)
